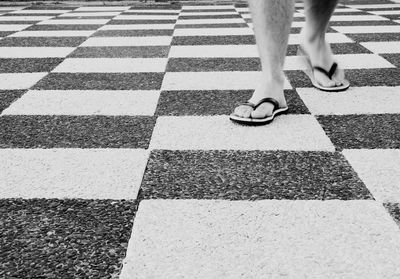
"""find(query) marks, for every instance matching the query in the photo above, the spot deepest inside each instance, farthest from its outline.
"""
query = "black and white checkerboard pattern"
(118, 159)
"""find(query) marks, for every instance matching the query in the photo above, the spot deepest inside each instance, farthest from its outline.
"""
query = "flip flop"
(310, 73)
(259, 121)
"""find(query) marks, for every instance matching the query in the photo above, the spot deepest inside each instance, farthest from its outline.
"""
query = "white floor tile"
(383, 47)
(345, 61)
(213, 80)
(357, 18)
(137, 27)
(356, 100)
(54, 33)
(286, 132)
(210, 21)
(213, 32)
(89, 14)
(111, 65)
(74, 22)
(55, 11)
(367, 29)
(262, 239)
(379, 170)
(13, 27)
(208, 7)
(146, 17)
(128, 41)
(214, 51)
(71, 173)
(10, 81)
(34, 52)
(103, 8)
(24, 18)
(81, 102)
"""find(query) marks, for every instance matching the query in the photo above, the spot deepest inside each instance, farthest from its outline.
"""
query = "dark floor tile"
(371, 10)
(133, 33)
(374, 77)
(49, 131)
(28, 65)
(362, 23)
(298, 79)
(101, 81)
(374, 37)
(356, 77)
(39, 6)
(42, 41)
(393, 58)
(241, 5)
(19, 21)
(365, 2)
(215, 102)
(392, 17)
(228, 9)
(223, 25)
(214, 40)
(137, 21)
(394, 211)
(129, 52)
(6, 33)
(50, 27)
(134, 12)
(350, 13)
(82, 17)
(213, 64)
(64, 238)
(157, 6)
(205, 16)
(36, 14)
(341, 48)
(7, 97)
(250, 175)
(362, 131)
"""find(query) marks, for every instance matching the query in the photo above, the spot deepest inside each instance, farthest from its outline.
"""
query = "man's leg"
(272, 21)
(318, 14)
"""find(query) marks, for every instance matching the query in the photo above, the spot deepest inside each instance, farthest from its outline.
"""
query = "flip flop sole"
(257, 121)
(343, 87)
(310, 73)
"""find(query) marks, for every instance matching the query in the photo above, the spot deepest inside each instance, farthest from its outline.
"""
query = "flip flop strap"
(265, 100)
(329, 74)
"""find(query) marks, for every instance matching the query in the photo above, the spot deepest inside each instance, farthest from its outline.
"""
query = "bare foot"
(264, 90)
(321, 55)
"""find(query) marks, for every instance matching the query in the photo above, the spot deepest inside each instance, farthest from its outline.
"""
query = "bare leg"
(318, 14)
(272, 21)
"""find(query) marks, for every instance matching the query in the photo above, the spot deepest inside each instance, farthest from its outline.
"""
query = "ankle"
(314, 38)
(271, 89)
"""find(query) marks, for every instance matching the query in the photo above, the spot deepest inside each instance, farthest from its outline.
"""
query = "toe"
(243, 111)
(262, 111)
(338, 77)
(323, 80)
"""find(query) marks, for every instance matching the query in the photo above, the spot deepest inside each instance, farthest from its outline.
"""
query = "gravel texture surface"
(73, 131)
(362, 131)
(249, 175)
(64, 238)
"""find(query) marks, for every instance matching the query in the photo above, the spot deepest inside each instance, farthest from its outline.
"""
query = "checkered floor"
(118, 159)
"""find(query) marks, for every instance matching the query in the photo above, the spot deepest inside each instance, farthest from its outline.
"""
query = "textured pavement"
(118, 159)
